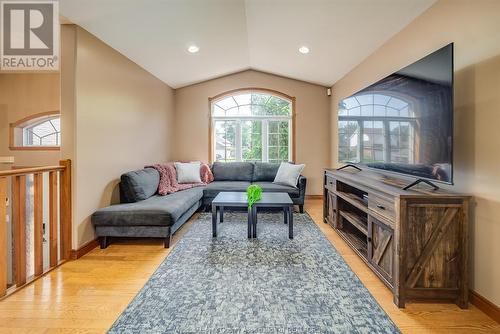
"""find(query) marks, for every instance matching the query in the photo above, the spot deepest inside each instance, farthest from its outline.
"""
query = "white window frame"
(239, 119)
(265, 135)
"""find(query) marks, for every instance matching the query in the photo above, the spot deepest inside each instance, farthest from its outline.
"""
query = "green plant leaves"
(254, 193)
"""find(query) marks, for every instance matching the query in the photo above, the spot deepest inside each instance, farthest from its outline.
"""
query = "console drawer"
(382, 206)
(331, 183)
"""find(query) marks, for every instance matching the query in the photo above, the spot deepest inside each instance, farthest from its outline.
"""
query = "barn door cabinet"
(415, 241)
(381, 248)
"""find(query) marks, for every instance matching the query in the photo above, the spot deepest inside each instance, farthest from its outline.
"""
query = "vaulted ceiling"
(234, 35)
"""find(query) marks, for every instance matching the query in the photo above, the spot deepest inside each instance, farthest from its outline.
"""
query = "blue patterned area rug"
(272, 284)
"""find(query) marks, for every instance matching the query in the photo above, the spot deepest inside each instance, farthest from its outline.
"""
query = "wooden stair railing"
(59, 220)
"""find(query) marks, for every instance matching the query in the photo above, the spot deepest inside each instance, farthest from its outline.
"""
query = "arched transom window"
(376, 128)
(38, 131)
(43, 133)
(251, 126)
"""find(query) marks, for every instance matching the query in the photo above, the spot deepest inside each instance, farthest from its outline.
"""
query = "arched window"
(39, 131)
(44, 133)
(251, 125)
(376, 128)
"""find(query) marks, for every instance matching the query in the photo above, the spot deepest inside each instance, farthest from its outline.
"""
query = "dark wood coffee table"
(239, 200)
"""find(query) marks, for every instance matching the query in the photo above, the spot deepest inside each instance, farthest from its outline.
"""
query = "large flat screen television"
(404, 122)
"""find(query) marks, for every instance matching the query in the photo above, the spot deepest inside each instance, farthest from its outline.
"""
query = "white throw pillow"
(188, 172)
(288, 174)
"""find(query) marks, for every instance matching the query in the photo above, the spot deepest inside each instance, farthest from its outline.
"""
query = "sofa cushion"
(188, 172)
(139, 185)
(288, 174)
(156, 210)
(265, 171)
(233, 171)
(212, 189)
(278, 188)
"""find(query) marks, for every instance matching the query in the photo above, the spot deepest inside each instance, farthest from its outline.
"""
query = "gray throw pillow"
(288, 174)
(188, 172)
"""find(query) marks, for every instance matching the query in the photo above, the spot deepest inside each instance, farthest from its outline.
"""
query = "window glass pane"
(273, 127)
(218, 111)
(43, 129)
(258, 110)
(243, 99)
(283, 127)
(42, 133)
(233, 111)
(256, 104)
(278, 107)
(273, 139)
(273, 153)
(225, 140)
(227, 103)
(278, 140)
(245, 110)
(283, 153)
(268, 105)
(251, 140)
(50, 140)
(283, 139)
(56, 123)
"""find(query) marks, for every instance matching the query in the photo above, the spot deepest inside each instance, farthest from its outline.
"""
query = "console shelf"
(358, 222)
(352, 199)
(358, 244)
(407, 237)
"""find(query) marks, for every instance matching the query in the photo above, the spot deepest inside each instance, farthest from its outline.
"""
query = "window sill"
(34, 148)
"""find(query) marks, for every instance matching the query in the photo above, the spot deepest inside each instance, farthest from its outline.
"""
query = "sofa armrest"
(301, 184)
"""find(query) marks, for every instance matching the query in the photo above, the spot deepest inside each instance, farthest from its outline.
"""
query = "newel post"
(65, 209)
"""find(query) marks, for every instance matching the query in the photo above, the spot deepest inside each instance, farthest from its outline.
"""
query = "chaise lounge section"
(144, 213)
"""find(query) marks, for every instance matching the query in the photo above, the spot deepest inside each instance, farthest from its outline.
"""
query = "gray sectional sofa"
(144, 213)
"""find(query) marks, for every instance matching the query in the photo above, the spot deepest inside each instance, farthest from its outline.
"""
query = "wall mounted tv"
(404, 122)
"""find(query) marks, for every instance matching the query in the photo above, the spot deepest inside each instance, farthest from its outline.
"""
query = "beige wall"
(474, 27)
(22, 95)
(312, 119)
(123, 120)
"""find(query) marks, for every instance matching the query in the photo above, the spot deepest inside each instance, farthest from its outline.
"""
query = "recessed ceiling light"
(304, 49)
(193, 49)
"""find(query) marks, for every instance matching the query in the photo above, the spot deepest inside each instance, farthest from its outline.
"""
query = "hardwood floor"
(87, 295)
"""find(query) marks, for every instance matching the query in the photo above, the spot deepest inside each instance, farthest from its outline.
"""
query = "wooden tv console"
(415, 241)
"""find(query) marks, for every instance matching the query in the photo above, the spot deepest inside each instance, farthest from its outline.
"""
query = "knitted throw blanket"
(168, 178)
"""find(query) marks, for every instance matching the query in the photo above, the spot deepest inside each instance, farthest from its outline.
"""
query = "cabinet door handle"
(369, 239)
(381, 207)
